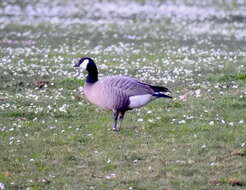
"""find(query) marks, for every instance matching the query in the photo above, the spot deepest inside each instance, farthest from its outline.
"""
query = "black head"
(87, 63)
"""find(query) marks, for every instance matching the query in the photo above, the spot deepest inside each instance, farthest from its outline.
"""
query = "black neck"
(92, 77)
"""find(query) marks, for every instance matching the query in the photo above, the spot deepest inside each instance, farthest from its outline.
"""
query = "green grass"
(52, 138)
(239, 76)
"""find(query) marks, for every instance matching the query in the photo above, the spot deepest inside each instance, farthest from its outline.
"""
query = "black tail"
(160, 95)
(159, 88)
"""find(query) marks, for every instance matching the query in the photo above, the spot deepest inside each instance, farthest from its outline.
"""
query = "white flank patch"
(140, 100)
(84, 63)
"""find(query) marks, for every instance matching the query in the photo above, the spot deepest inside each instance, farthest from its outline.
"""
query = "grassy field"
(52, 138)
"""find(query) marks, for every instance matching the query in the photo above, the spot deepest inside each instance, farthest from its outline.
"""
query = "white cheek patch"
(84, 63)
(140, 100)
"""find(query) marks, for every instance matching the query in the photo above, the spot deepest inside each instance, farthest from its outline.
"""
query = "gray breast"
(105, 96)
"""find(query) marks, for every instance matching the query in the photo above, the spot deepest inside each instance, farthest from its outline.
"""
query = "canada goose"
(117, 93)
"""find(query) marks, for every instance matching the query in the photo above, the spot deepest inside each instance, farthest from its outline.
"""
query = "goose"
(117, 93)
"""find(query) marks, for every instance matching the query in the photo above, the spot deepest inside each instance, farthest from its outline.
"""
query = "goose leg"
(121, 117)
(115, 118)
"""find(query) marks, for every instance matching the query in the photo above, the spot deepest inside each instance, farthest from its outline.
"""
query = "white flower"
(212, 164)
(180, 161)
(110, 176)
(183, 98)
(191, 161)
(231, 124)
(241, 122)
(63, 108)
(198, 93)
(151, 120)
(140, 120)
(211, 123)
(182, 122)
(203, 146)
